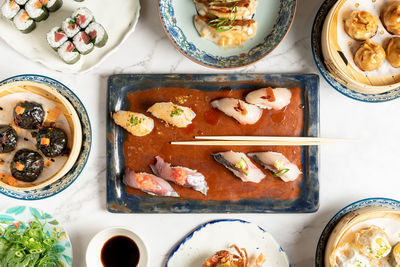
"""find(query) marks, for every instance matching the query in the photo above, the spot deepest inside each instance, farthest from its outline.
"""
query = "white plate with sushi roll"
(67, 36)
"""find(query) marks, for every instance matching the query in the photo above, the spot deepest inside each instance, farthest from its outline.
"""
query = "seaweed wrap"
(56, 37)
(97, 34)
(9, 9)
(26, 165)
(51, 141)
(23, 22)
(70, 27)
(36, 10)
(8, 139)
(28, 115)
(52, 5)
(82, 43)
(69, 53)
(83, 16)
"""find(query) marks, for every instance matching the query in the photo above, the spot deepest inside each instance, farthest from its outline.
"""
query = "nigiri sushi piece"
(268, 98)
(149, 183)
(240, 9)
(173, 114)
(135, 123)
(239, 110)
(240, 165)
(180, 175)
(278, 164)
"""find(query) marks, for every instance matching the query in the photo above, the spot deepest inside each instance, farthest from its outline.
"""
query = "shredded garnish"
(280, 172)
(223, 25)
(176, 111)
(242, 164)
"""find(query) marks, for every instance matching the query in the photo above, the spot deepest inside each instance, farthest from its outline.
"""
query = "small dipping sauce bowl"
(107, 244)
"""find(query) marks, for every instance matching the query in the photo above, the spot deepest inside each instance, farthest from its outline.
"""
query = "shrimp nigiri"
(278, 164)
(180, 175)
(135, 123)
(150, 184)
(240, 165)
(239, 110)
(268, 98)
(178, 116)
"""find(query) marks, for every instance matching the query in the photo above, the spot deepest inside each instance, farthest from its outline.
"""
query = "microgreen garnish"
(176, 111)
(134, 120)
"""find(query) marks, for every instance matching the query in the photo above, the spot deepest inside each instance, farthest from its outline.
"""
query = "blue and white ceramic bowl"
(274, 19)
(352, 211)
(80, 163)
(319, 61)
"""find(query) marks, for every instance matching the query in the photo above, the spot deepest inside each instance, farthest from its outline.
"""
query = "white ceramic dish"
(119, 18)
(93, 252)
(218, 235)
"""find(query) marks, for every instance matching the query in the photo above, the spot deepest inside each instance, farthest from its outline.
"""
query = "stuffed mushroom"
(27, 165)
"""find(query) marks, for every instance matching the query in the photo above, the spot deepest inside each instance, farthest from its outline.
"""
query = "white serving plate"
(119, 18)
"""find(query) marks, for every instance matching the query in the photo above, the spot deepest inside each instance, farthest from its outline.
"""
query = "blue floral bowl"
(274, 19)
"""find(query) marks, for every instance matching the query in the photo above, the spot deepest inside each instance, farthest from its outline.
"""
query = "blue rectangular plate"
(119, 86)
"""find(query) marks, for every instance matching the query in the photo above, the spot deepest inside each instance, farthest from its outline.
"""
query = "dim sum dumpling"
(391, 18)
(361, 25)
(369, 56)
(393, 52)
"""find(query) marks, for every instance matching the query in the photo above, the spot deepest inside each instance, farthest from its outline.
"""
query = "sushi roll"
(178, 116)
(56, 37)
(69, 53)
(8, 139)
(10, 9)
(83, 16)
(52, 5)
(180, 175)
(135, 123)
(23, 22)
(51, 141)
(239, 110)
(28, 115)
(36, 10)
(70, 27)
(268, 98)
(97, 34)
(26, 165)
(82, 43)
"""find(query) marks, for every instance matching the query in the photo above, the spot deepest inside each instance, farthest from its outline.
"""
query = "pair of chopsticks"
(259, 141)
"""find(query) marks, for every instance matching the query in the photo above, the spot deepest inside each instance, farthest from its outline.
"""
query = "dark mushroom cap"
(27, 165)
(8, 139)
(51, 141)
(28, 115)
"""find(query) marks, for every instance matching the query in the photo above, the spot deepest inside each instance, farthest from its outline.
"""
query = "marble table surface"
(349, 171)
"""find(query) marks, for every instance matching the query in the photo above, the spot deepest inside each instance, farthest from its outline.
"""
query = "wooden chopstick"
(273, 138)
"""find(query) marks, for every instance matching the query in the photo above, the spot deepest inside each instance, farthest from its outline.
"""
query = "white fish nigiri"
(173, 114)
(149, 183)
(180, 175)
(278, 164)
(268, 98)
(135, 123)
(240, 165)
(239, 110)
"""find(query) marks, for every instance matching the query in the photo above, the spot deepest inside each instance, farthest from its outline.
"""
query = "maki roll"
(21, 2)
(23, 22)
(69, 53)
(36, 10)
(8, 139)
(26, 165)
(83, 16)
(82, 43)
(56, 37)
(97, 34)
(52, 5)
(70, 27)
(28, 115)
(10, 9)
(51, 141)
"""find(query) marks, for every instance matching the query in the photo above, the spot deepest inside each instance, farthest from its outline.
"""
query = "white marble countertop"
(349, 171)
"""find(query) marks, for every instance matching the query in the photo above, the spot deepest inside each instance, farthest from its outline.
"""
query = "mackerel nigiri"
(278, 164)
(239, 110)
(240, 165)
(268, 98)
(180, 175)
(150, 184)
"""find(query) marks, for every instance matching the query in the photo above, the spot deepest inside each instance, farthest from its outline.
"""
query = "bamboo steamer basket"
(339, 65)
(70, 114)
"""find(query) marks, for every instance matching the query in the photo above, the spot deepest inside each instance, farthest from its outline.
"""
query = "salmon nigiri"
(150, 184)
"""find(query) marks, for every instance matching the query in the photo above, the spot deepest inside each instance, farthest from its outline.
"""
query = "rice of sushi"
(70, 27)
(10, 9)
(36, 11)
(82, 43)
(69, 53)
(56, 37)
(21, 2)
(52, 5)
(23, 22)
(97, 34)
(83, 16)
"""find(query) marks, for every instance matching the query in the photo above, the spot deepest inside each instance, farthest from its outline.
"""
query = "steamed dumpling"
(369, 56)
(391, 18)
(373, 242)
(393, 52)
(348, 255)
(361, 25)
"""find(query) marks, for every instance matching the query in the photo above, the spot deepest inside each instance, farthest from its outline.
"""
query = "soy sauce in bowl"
(120, 251)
